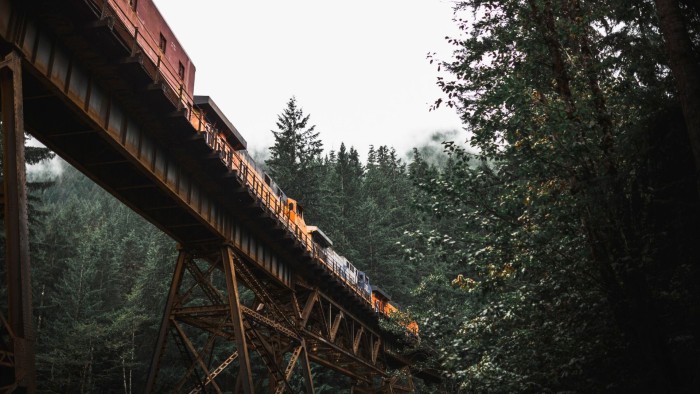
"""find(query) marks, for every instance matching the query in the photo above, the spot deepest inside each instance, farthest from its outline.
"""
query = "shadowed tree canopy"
(558, 233)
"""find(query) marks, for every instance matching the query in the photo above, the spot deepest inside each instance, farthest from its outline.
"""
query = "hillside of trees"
(555, 252)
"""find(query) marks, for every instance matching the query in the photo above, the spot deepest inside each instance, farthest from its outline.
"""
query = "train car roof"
(232, 135)
(380, 291)
(320, 236)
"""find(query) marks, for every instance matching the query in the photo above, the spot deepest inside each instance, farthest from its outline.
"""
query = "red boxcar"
(156, 41)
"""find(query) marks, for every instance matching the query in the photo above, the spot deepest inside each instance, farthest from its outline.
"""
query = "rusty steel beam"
(290, 367)
(227, 260)
(308, 377)
(334, 366)
(262, 327)
(356, 341)
(205, 353)
(197, 356)
(216, 371)
(308, 308)
(347, 353)
(224, 312)
(336, 325)
(17, 265)
(162, 334)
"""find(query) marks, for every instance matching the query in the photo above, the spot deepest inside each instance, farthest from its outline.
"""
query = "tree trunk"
(685, 71)
(126, 387)
(545, 20)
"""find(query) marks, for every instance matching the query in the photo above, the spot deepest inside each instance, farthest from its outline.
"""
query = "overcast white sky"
(359, 68)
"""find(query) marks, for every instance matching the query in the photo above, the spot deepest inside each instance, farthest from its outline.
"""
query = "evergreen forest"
(551, 246)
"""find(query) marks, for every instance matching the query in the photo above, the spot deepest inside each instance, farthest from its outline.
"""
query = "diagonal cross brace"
(257, 288)
(216, 372)
(290, 367)
(193, 352)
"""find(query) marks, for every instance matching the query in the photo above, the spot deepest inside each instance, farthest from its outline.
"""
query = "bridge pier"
(234, 304)
(265, 330)
(17, 369)
(203, 306)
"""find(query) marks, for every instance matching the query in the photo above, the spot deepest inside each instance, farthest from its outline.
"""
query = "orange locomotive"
(157, 45)
(381, 302)
(291, 214)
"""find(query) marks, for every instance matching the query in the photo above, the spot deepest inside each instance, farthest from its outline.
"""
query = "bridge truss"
(284, 330)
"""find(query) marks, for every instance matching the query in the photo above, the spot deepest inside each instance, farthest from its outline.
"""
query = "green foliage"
(295, 158)
(338, 209)
(546, 243)
(96, 268)
(32, 155)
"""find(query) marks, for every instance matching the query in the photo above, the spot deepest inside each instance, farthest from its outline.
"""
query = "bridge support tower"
(205, 306)
(17, 370)
(228, 326)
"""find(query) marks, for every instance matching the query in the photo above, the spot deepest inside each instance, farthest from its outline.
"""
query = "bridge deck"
(125, 132)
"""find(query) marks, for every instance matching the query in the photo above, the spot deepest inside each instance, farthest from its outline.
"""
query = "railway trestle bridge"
(74, 77)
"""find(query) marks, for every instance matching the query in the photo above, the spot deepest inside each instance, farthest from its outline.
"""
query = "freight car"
(157, 46)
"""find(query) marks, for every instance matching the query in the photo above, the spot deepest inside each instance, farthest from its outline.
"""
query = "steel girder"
(17, 342)
(223, 313)
(340, 341)
(204, 307)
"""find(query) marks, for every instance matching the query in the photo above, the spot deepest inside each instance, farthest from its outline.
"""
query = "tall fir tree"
(295, 158)
(383, 216)
(97, 280)
(347, 175)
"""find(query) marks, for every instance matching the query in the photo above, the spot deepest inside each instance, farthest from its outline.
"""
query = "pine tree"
(383, 215)
(32, 155)
(295, 158)
(327, 208)
(346, 175)
(100, 283)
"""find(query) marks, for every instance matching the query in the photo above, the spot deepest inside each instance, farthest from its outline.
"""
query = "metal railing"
(131, 30)
(249, 175)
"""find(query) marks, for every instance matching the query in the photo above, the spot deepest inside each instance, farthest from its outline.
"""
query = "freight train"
(157, 45)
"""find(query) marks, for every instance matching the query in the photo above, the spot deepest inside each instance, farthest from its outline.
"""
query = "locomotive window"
(163, 43)
(181, 70)
(291, 206)
(132, 3)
